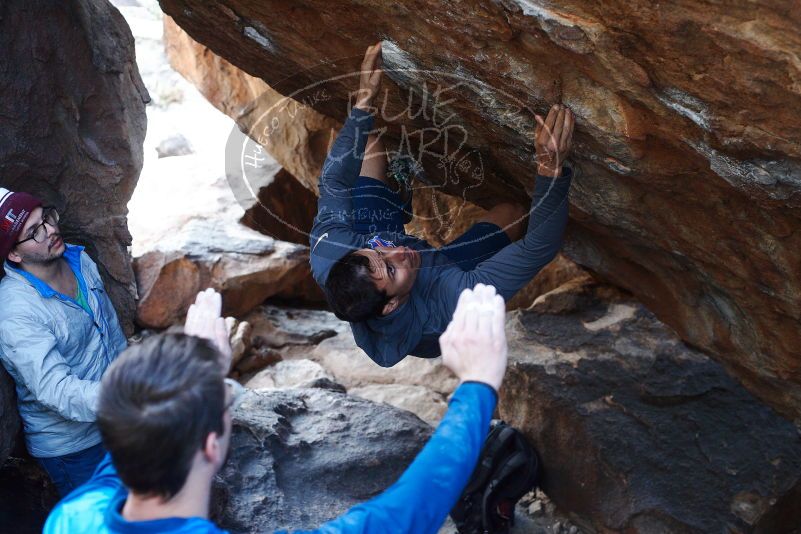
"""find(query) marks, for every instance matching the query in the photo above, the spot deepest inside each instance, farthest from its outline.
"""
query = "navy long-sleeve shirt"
(414, 327)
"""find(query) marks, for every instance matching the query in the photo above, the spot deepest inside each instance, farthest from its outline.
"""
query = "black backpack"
(507, 469)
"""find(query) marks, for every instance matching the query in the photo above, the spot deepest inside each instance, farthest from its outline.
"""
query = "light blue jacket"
(417, 503)
(57, 352)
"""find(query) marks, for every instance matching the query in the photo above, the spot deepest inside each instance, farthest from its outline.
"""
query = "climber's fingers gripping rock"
(553, 139)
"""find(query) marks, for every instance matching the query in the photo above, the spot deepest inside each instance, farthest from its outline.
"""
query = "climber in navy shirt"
(397, 291)
(165, 418)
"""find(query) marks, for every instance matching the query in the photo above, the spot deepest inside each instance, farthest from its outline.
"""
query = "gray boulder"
(301, 457)
(639, 433)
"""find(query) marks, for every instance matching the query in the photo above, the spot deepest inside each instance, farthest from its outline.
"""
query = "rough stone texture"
(277, 206)
(197, 241)
(288, 374)
(73, 109)
(687, 135)
(241, 339)
(321, 341)
(26, 496)
(351, 367)
(244, 270)
(639, 433)
(287, 327)
(9, 416)
(301, 457)
(556, 274)
(428, 405)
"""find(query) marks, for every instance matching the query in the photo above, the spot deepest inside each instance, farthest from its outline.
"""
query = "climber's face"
(394, 271)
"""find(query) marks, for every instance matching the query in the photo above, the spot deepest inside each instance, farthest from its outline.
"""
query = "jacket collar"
(72, 255)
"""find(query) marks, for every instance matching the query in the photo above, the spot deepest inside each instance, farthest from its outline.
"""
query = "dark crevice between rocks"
(26, 496)
(283, 210)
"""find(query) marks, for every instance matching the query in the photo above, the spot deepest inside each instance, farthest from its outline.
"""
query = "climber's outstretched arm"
(341, 167)
(516, 264)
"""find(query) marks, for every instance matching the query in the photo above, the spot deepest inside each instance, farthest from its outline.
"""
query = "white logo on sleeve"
(319, 239)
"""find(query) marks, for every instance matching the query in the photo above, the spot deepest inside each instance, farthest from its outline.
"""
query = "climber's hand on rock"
(553, 139)
(204, 320)
(474, 344)
(370, 78)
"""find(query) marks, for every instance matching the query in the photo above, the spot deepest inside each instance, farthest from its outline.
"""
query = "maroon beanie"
(15, 208)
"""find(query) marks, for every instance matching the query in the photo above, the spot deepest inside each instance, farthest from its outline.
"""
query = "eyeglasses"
(235, 392)
(39, 233)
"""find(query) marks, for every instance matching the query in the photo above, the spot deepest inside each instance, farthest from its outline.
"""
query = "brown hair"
(158, 403)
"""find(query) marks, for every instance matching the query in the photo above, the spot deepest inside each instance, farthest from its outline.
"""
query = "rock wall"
(687, 135)
(9, 416)
(639, 433)
(73, 121)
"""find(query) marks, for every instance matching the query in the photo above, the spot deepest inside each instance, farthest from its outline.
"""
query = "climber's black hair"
(351, 292)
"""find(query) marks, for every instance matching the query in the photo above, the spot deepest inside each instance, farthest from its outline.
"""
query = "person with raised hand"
(165, 416)
(204, 319)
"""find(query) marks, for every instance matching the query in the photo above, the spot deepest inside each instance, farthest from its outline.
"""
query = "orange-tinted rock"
(687, 136)
(198, 241)
(300, 145)
(244, 273)
(73, 122)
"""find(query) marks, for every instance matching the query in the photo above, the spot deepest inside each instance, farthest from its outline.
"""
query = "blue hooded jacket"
(415, 326)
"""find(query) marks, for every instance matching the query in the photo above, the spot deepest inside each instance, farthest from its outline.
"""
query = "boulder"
(639, 433)
(301, 457)
(313, 341)
(319, 336)
(282, 209)
(289, 374)
(560, 272)
(244, 272)
(174, 145)
(282, 327)
(188, 237)
(688, 187)
(428, 405)
(73, 108)
(352, 368)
